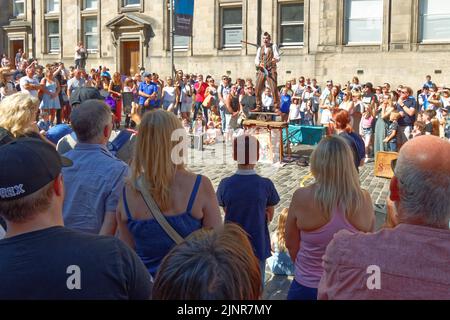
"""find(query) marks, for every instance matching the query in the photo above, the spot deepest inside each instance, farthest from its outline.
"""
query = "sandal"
(302, 162)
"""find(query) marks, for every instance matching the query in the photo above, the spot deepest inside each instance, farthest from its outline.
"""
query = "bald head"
(427, 153)
(421, 186)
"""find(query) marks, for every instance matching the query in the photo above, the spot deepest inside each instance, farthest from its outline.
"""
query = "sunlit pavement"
(216, 162)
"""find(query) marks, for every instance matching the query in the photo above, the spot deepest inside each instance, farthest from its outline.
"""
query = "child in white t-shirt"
(294, 112)
(267, 100)
(211, 133)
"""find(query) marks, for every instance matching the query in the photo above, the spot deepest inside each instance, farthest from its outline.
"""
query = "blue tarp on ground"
(310, 135)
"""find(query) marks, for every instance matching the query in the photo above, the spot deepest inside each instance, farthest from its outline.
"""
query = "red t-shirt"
(200, 91)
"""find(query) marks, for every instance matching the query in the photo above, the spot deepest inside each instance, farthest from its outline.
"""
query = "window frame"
(347, 19)
(88, 34)
(295, 23)
(85, 8)
(47, 9)
(181, 48)
(125, 5)
(224, 27)
(21, 15)
(54, 35)
(421, 24)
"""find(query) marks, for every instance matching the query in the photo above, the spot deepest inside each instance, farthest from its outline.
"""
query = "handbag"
(142, 186)
(208, 101)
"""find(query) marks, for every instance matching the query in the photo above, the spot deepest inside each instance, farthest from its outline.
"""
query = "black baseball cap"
(85, 93)
(369, 85)
(27, 165)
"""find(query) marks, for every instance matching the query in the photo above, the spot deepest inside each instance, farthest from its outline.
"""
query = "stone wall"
(324, 55)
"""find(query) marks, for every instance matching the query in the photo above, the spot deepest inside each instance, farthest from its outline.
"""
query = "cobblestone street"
(216, 162)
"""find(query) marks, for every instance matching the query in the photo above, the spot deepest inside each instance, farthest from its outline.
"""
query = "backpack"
(357, 145)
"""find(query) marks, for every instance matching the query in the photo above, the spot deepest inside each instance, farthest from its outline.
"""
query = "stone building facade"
(399, 41)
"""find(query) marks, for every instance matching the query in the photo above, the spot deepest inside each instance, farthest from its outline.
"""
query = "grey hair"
(424, 194)
(89, 119)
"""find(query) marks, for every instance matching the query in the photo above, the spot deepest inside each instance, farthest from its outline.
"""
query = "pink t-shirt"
(200, 91)
(367, 122)
(308, 263)
(414, 263)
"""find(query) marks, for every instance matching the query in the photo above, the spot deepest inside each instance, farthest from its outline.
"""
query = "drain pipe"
(258, 23)
(33, 28)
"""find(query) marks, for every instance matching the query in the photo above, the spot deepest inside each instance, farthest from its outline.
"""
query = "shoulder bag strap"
(156, 212)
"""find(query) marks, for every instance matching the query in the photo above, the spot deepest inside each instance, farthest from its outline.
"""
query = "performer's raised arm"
(257, 58)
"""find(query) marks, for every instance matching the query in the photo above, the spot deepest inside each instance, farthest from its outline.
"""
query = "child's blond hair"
(281, 240)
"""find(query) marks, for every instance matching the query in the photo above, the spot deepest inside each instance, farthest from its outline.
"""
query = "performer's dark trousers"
(271, 80)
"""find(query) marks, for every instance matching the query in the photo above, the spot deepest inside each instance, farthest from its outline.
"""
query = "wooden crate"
(383, 164)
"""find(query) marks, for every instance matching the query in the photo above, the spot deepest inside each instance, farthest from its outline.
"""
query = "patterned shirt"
(412, 262)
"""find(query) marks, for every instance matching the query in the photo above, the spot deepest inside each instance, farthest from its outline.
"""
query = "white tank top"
(169, 94)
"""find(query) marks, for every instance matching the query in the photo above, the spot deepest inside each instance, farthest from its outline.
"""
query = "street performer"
(266, 61)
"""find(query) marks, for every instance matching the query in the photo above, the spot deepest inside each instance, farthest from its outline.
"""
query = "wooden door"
(14, 46)
(130, 58)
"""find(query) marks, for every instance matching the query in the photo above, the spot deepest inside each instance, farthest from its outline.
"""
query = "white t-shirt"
(185, 98)
(294, 112)
(169, 94)
(79, 51)
(267, 101)
(75, 83)
(306, 96)
(23, 81)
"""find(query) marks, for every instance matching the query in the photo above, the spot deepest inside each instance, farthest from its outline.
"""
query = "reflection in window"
(53, 35)
(231, 27)
(364, 21)
(434, 20)
(291, 24)
(90, 34)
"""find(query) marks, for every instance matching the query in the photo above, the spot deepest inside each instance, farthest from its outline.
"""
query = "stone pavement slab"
(216, 162)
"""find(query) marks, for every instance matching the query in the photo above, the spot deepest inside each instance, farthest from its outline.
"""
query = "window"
(53, 35)
(19, 7)
(52, 6)
(131, 3)
(434, 20)
(90, 4)
(291, 24)
(231, 27)
(180, 42)
(364, 21)
(90, 34)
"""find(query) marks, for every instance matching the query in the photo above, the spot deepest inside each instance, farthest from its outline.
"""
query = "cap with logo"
(27, 165)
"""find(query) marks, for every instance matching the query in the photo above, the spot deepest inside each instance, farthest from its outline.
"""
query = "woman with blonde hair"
(18, 113)
(187, 201)
(280, 263)
(329, 108)
(383, 114)
(347, 103)
(334, 202)
(169, 96)
(50, 98)
(210, 265)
